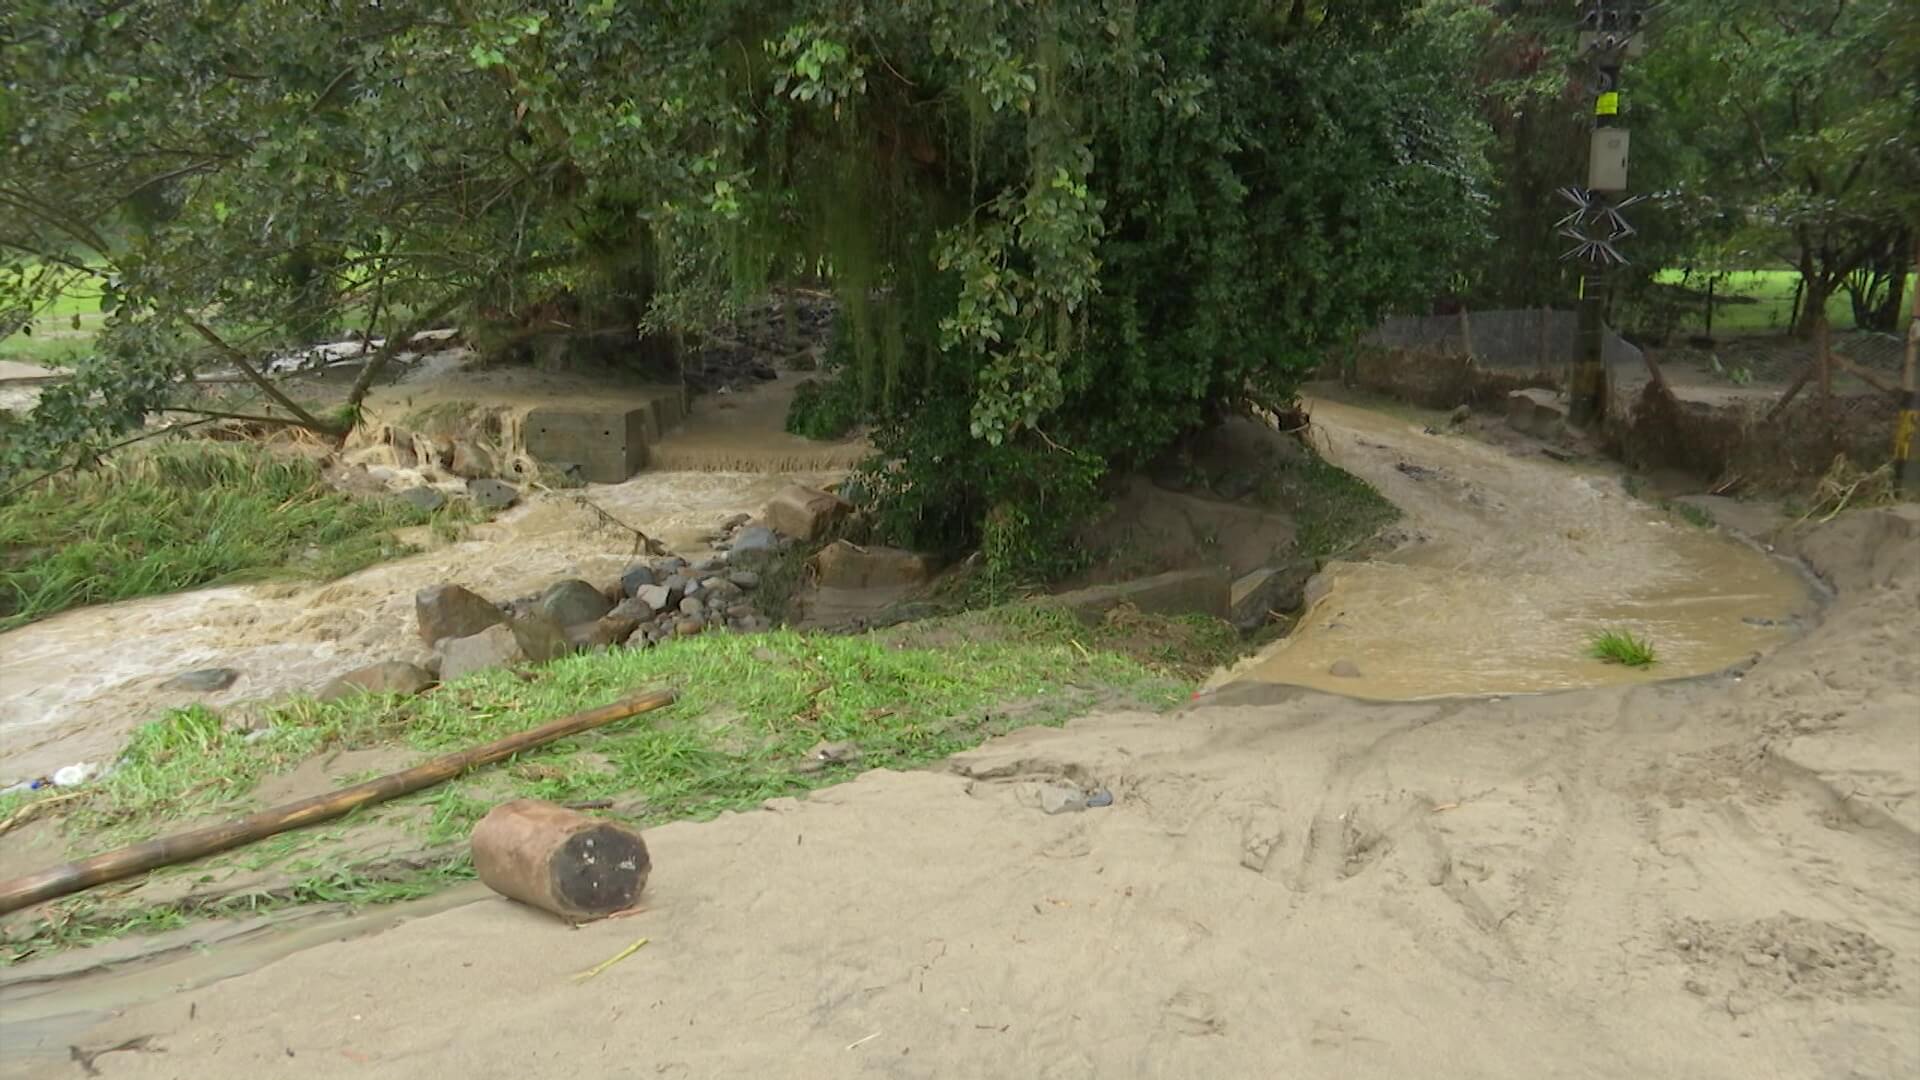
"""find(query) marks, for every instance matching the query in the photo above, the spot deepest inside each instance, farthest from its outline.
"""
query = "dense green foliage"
(1064, 232)
(1775, 134)
(181, 516)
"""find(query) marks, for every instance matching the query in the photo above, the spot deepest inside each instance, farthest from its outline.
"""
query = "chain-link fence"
(1530, 339)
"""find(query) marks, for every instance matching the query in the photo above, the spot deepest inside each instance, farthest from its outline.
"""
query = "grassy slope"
(182, 516)
(750, 709)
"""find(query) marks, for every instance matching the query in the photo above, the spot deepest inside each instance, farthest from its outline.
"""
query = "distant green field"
(61, 332)
(1753, 301)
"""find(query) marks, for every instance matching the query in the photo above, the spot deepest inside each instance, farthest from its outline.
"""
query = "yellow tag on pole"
(1607, 104)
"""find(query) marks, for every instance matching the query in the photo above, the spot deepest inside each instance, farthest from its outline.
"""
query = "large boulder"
(804, 513)
(572, 602)
(387, 677)
(841, 565)
(471, 461)
(494, 647)
(541, 638)
(449, 611)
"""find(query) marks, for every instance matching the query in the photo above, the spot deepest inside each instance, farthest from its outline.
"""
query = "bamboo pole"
(125, 862)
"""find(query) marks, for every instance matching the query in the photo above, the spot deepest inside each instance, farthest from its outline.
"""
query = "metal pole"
(1610, 33)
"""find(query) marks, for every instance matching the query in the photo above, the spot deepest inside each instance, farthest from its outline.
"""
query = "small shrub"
(1621, 647)
(825, 410)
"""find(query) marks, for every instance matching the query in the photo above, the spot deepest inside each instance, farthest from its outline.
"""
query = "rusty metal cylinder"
(560, 860)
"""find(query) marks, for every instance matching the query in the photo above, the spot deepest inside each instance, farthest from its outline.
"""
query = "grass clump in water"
(183, 516)
(1621, 647)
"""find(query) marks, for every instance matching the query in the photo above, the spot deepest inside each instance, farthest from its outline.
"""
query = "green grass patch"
(750, 708)
(1621, 647)
(1334, 510)
(1697, 516)
(1753, 302)
(183, 516)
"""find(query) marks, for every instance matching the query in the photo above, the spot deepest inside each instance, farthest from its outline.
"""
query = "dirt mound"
(1731, 440)
(1785, 956)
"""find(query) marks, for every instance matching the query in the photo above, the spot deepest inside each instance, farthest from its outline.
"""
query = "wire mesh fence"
(1526, 339)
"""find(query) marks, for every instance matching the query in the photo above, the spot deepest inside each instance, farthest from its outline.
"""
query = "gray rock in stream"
(449, 611)
(492, 494)
(204, 681)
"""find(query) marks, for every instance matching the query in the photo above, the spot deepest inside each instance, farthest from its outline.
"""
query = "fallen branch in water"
(641, 541)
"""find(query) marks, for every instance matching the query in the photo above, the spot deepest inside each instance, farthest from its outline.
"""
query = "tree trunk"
(1822, 355)
(560, 860)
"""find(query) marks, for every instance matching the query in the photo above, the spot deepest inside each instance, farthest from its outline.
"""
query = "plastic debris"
(77, 774)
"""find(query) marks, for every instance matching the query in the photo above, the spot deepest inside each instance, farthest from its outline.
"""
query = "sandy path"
(1711, 878)
(1516, 563)
(73, 686)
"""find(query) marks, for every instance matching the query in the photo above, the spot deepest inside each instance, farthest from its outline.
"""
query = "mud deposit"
(1702, 879)
(1512, 565)
(1706, 878)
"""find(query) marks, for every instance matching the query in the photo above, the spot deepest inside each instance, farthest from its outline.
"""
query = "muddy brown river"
(1516, 562)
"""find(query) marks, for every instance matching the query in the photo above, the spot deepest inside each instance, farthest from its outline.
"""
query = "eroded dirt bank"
(1711, 878)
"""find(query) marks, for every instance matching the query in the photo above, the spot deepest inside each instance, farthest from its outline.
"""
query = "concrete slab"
(1177, 592)
(609, 445)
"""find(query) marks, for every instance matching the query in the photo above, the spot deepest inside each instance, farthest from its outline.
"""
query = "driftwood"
(124, 863)
(1793, 388)
(558, 860)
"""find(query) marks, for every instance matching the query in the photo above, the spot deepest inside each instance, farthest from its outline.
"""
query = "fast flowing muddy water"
(1515, 564)
(73, 686)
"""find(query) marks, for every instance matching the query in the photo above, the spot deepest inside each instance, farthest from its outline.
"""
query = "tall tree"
(1064, 232)
(1821, 117)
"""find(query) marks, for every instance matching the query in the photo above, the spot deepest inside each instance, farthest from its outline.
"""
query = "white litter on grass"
(77, 774)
